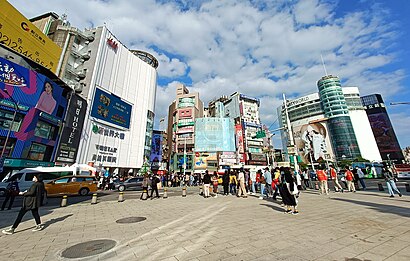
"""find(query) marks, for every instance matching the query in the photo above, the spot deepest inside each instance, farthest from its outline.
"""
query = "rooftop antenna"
(323, 63)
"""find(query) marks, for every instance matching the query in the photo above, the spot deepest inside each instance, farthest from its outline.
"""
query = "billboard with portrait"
(156, 147)
(19, 34)
(111, 108)
(383, 132)
(214, 134)
(313, 142)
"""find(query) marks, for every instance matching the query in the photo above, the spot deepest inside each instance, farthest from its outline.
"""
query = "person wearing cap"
(32, 201)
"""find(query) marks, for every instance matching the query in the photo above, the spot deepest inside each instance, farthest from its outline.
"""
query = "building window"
(40, 152)
(11, 142)
(45, 130)
(6, 119)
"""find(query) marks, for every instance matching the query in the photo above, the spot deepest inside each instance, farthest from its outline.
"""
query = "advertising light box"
(214, 134)
(111, 108)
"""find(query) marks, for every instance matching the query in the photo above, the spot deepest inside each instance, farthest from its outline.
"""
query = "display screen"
(214, 134)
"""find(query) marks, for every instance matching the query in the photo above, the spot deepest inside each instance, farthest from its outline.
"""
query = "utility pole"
(290, 135)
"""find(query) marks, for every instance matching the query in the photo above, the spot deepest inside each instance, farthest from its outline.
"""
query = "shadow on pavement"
(277, 208)
(401, 211)
(56, 220)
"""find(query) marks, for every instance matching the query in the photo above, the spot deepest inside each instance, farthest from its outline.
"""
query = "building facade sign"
(19, 34)
(73, 127)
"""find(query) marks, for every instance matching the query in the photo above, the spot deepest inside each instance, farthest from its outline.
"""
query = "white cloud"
(261, 48)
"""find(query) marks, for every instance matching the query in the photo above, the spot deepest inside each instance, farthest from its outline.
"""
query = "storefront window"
(44, 130)
(40, 152)
(6, 120)
(11, 142)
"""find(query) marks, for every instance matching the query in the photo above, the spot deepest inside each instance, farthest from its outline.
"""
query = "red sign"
(239, 138)
(113, 44)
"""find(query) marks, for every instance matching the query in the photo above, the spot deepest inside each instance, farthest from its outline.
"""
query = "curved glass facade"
(340, 126)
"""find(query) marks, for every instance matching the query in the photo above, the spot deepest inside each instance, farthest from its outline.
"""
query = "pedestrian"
(241, 181)
(268, 179)
(322, 177)
(32, 201)
(349, 180)
(289, 192)
(215, 183)
(360, 176)
(263, 184)
(225, 182)
(145, 184)
(333, 176)
(252, 179)
(207, 182)
(12, 190)
(305, 178)
(275, 182)
(232, 183)
(390, 182)
(154, 186)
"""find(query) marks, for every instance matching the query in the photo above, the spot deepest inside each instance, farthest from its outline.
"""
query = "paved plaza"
(350, 226)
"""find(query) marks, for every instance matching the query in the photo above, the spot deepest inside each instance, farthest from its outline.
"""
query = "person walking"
(391, 184)
(275, 182)
(333, 176)
(145, 184)
(232, 183)
(241, 180)
(225, 182)
(252, 178)
(349, 179)
(322, 177)
(215, 183)
(154, 186)
(360, 176)
(207, 182)
(12, 190)
(289, 192)
(32, 201)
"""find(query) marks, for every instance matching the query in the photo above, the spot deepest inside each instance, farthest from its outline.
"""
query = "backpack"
(262, 180)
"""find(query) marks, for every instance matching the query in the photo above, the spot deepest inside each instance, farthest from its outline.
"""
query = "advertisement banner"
(110, 108)
(383, 132)
(239, 138)
(201, 160)
(214, 134)
(19, 34)
(70, 136)
(312, 142)
(156, 148)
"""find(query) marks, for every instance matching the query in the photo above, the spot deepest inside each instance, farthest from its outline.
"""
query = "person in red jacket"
(349, 179)
(322, 177)
(333, 176)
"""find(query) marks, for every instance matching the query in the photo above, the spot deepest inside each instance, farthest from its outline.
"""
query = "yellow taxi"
(70, 185)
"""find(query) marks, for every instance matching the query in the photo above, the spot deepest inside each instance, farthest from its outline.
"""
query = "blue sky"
(260, 48)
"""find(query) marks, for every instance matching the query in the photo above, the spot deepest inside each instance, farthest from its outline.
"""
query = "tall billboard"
(313, 142)
(156, 147)
(19, 34)
(214, 134)
(111, 108)
(73, 127)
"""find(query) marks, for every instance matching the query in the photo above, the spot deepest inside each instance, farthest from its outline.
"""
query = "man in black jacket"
(154, 186)
(32, 201)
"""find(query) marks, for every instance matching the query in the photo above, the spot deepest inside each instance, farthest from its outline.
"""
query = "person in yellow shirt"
(232, 183)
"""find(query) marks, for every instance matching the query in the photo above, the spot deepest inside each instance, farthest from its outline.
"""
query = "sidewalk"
(364, 225)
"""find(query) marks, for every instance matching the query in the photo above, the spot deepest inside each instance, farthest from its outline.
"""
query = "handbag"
(295, 189)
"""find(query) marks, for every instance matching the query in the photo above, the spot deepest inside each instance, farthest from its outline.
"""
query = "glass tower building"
(340, 126)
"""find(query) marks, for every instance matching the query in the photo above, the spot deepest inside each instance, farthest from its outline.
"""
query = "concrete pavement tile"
(196, 246)
(191, 254)
(172, 258)
(370, 256)
(215, 256)
(217, 247)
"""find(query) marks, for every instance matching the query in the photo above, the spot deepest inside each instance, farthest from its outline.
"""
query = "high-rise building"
(342, 134)
(181, 129)
(311, 131)
(120, 86)
(244, 110)
(382, 128)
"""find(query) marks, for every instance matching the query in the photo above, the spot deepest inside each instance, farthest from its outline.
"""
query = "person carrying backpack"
(12, 190)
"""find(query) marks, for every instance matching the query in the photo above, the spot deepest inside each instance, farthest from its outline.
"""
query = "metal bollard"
(144, 195)
(94, 199)
(380, 185)
(121, 197)
(165, 193)
(64, 201)
(200, 191)
(407, 187)
(184, 191)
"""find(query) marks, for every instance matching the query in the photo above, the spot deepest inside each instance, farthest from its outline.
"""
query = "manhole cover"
(130, 220)
(89, 248)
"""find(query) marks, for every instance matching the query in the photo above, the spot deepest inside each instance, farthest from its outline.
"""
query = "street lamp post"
(11, 124)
